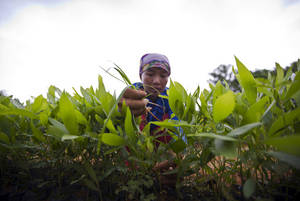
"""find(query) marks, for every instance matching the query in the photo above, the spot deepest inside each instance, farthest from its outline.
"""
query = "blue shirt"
(160, 110)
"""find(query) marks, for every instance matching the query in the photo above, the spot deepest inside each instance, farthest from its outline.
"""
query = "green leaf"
(68, 114)
(247, 81)
(101, 88)
(249, 188)
(15, 111)
(37, 133)
(44, 117)
(280, 74)
(59, 126)
(218, 91)
(177, 95)
(70, 137)
(287, 158)
(223, 106)
(256, 110)
(170, 124)
(39, 104)
(112, 139)
(284, 120)
(243, 129)
(111, 126)
(129, 129)
(214, 136)
(4, 138)
(80, 117)
(57, 129)
(288, 144)
(178, 146)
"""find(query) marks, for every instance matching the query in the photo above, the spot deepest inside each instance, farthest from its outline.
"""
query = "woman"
(145, 101)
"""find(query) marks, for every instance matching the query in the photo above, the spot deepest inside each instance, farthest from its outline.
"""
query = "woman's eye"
(149, 74)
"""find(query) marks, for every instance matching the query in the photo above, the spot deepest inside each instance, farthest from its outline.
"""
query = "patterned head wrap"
(154, 60)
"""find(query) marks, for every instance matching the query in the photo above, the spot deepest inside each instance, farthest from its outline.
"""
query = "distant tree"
(223, 73)
(3, 93)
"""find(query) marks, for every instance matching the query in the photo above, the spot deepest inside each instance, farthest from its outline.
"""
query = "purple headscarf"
(154, 60)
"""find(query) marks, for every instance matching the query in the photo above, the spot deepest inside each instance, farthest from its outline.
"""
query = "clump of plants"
(240, 145)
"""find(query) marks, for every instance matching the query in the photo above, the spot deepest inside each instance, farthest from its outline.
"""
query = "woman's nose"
(156, 80)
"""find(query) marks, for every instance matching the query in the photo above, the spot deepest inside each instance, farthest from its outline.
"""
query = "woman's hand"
(165, 166)
(135, 100)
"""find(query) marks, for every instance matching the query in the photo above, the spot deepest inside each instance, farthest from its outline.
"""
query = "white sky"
(63, 43)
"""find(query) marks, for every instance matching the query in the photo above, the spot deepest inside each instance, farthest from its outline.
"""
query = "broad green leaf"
(247, 81)
(16, 111)
(223, 106)
(70, 137)
(80, 117)
(39, 104)
(101, 88)
(37, 133)
(279, 74)
(44, 117)
(284, 120)
(287, 158)
(112, 139)
(68, 114)
(249, 188)
(59, 126)
(256, 110)
(170, 124)
(243, 129)
(107, 102)
(213, 135)
(178, 146)
(219, 90)
(56, 132)
(4, 138)
(288, 144)
(177, 95)
(225, 148)
(111, 126)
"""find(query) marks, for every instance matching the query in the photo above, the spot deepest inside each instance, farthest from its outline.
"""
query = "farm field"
(240, 145)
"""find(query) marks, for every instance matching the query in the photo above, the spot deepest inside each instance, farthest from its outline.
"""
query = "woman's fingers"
(135, 100)
(135, 104)
(134, 94)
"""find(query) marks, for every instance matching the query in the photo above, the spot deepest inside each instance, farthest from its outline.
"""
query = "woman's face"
(155, 80)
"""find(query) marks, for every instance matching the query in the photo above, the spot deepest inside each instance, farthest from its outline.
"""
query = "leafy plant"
(242, 144)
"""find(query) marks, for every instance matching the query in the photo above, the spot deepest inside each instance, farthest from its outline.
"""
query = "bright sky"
(63, 42)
